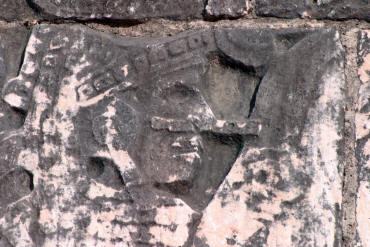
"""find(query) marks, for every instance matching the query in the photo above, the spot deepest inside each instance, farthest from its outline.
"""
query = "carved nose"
(172, 125)
(248, 127)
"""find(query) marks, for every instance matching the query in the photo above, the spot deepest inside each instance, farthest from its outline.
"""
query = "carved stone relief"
(225, 137)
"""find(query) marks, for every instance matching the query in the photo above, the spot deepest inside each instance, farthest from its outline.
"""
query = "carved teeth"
(173, 125)
(189, 158)
(193, 144)
(249, 127)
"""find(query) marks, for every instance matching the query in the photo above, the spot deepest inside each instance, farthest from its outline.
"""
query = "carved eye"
(179, 94)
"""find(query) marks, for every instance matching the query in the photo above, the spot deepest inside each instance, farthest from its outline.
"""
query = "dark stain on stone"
(230, 241)
(261, 176)
(193, 227)
(303, 180)
(37, 235)
(200, 242)
(176, 188)
(83, 223)
(105, 171)
(237, 185)
(248, 176)
(254, 201)
(292, 203)
(338, 226)
(259, 238)
(95, 167)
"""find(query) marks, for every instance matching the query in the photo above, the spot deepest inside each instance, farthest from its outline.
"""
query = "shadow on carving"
(231, 87)
(105, 171)
(13, 118)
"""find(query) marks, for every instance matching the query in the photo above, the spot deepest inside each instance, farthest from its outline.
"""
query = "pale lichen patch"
(363, 213)
(364, 70)
(180, 216)
(14, 100)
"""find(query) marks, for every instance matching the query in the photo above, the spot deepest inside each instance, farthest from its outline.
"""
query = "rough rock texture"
(316, 9)
(138, 11)
(363, 140)
(121, 9)
(287, 186)
(12, 45)
(11, 10)
(226, 9)
(224, 137)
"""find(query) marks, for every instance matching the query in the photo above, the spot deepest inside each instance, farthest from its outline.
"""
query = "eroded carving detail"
(157, 142)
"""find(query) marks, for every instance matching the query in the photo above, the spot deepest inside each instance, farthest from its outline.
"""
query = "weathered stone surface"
(318, 9)
(209, 138)
(13, 10)
(216, 9)
(13, 41)
(362, 121)
(287, 189)
(121, 9)
(12, 44)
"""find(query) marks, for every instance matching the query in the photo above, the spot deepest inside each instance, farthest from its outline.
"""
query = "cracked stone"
(211, 138)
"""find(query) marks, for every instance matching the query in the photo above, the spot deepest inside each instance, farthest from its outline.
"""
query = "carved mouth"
(189, 158)
(247, 127)
(187, 145)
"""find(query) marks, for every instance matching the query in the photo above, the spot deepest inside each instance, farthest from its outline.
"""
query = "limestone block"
(17, 10)
(317, 9)
(133, 10)
(225, 137)
(216, 9)
(362, 122)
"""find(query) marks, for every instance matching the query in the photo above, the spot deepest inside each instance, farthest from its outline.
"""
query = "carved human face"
(166, 126)
(171, 147)
(181, 147)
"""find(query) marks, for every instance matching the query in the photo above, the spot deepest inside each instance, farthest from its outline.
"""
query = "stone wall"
(184, 123)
